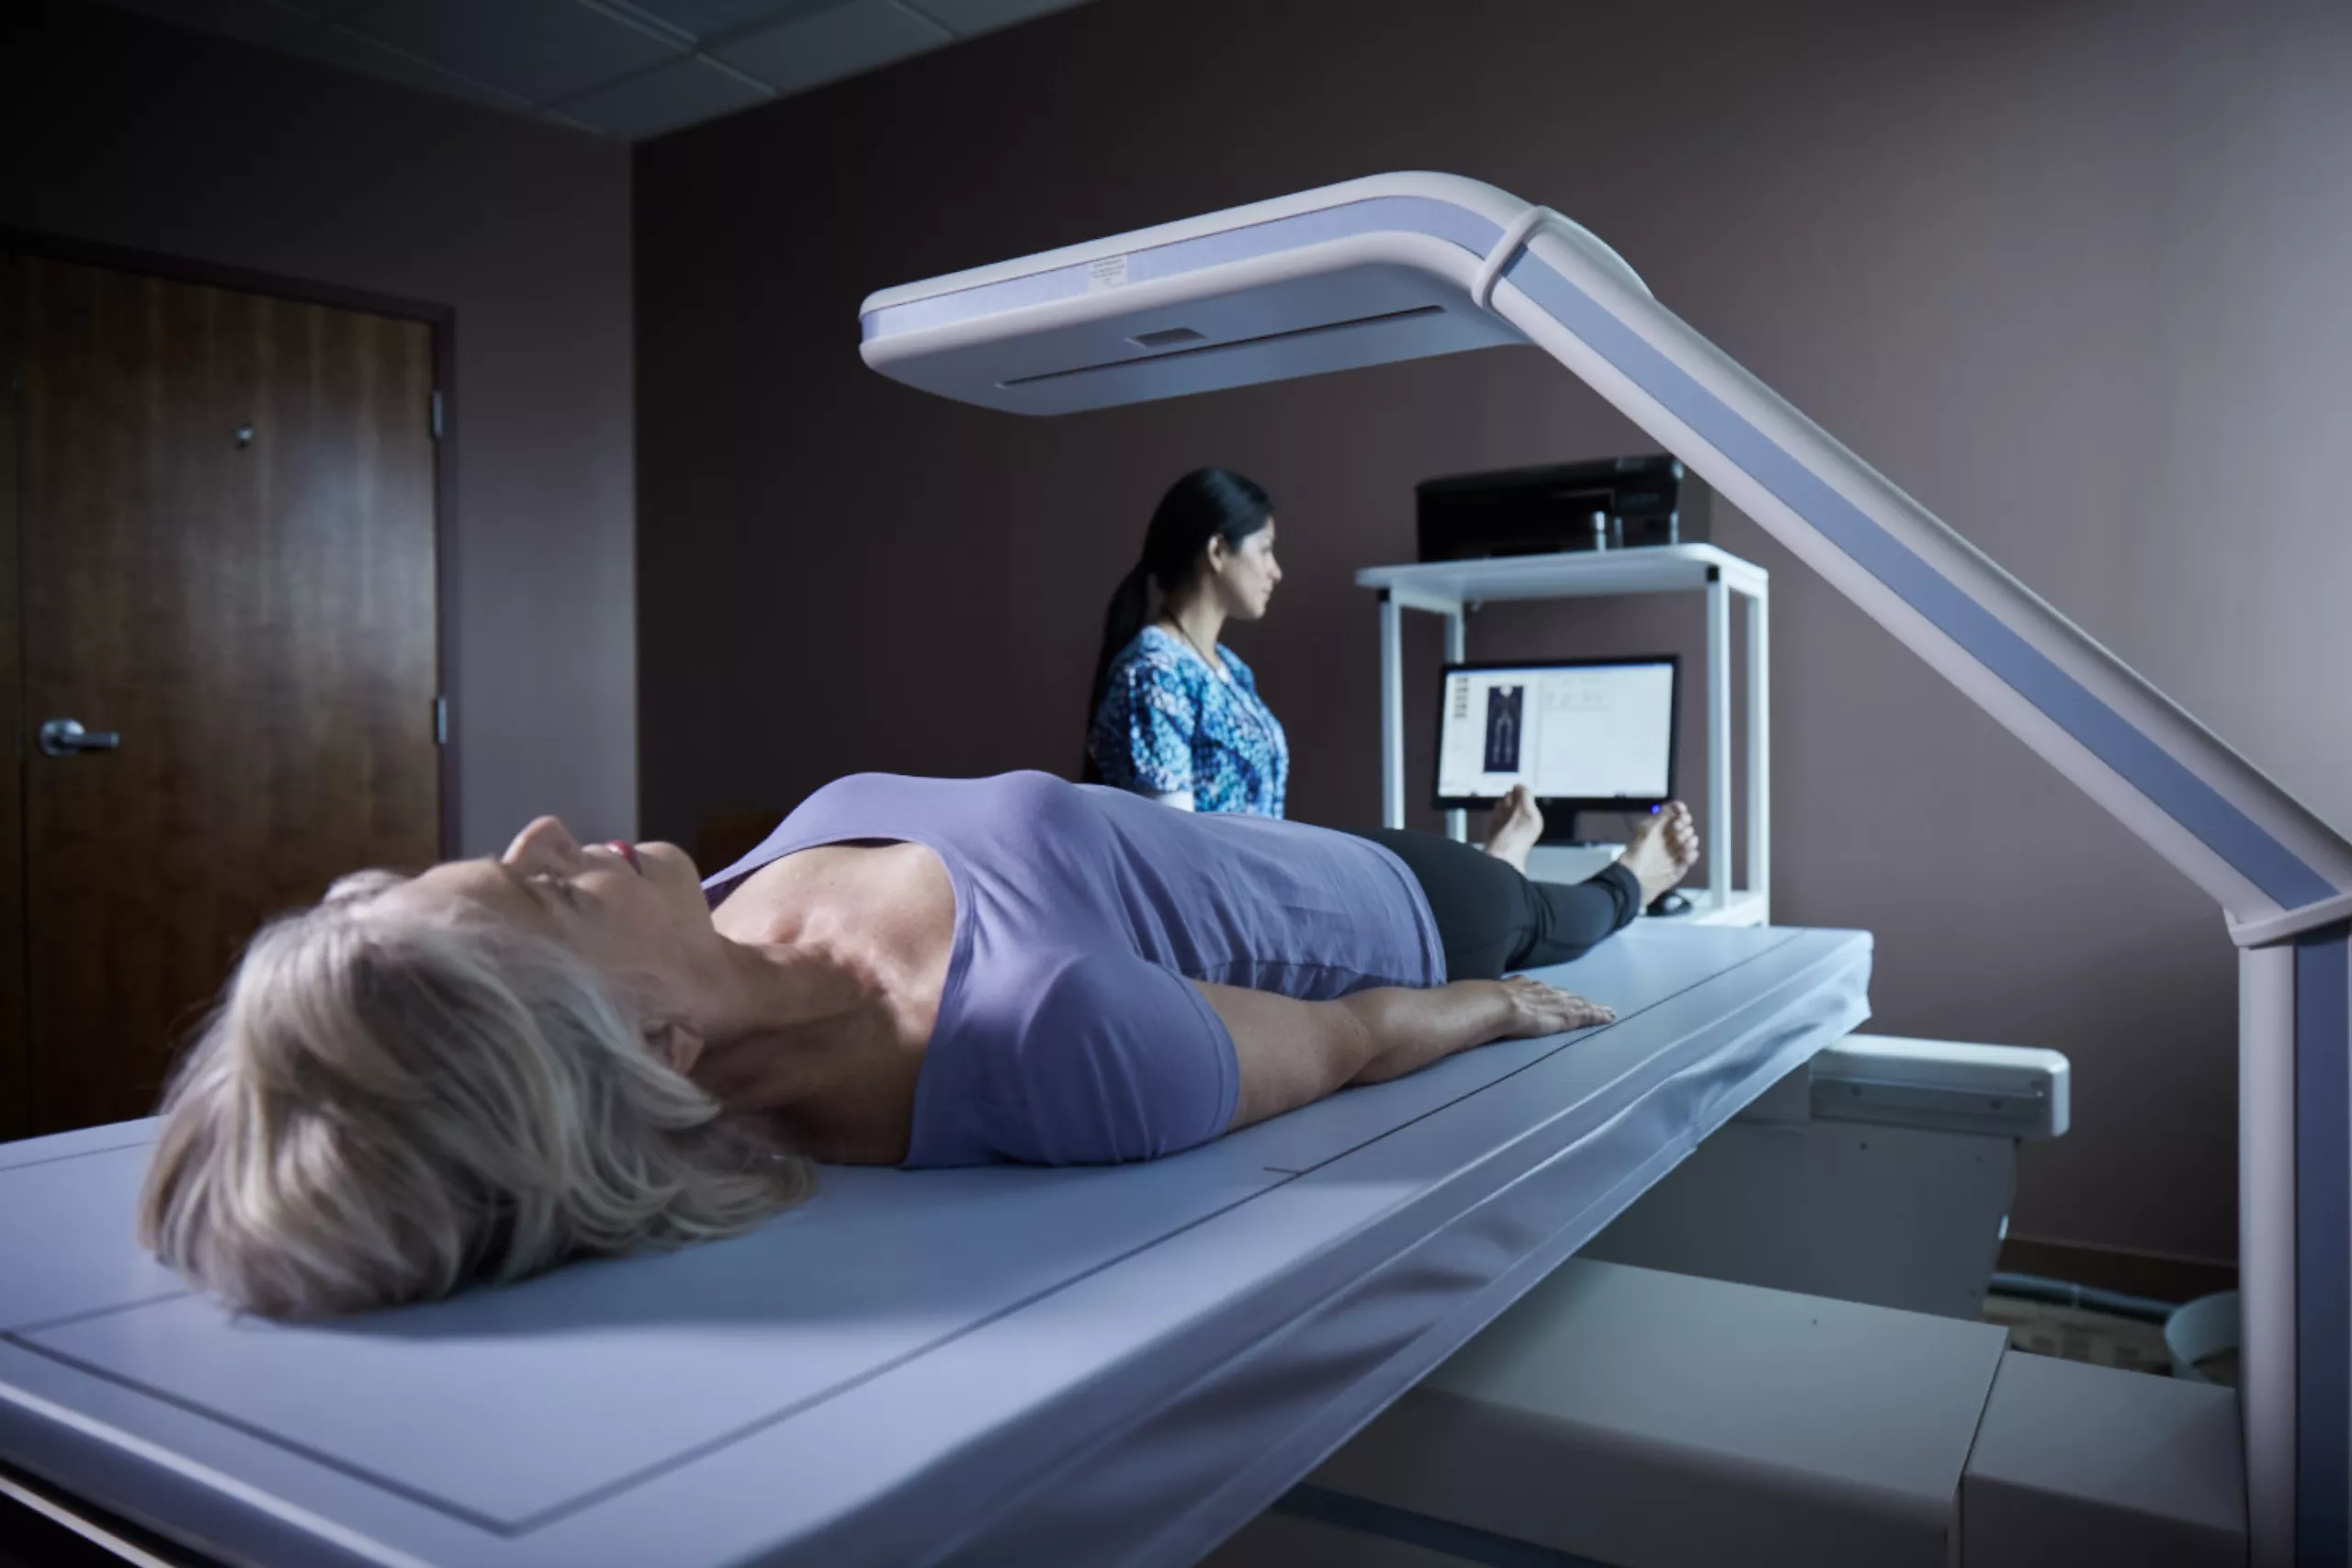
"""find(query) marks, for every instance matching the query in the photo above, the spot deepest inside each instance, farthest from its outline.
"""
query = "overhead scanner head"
(1361, 273)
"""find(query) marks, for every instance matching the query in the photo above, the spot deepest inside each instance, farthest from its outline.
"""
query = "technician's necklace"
(1251, 709)
(1217, 665)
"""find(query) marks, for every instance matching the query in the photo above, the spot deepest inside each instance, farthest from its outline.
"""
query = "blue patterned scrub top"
(1168, 722)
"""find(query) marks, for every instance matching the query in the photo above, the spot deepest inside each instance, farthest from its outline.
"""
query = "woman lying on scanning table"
(481, 1071)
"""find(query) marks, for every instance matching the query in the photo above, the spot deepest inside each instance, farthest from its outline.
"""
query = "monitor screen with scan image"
(1583, 733)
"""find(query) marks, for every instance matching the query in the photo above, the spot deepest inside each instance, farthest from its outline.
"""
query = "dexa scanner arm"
(1399, 266)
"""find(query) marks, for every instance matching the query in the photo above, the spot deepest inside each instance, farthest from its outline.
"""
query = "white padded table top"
(939, 1367)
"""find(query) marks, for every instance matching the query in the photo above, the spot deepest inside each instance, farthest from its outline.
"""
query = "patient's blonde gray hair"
(389, 1103)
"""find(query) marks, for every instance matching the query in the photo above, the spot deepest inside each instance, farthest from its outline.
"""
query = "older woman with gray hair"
(477, 1072)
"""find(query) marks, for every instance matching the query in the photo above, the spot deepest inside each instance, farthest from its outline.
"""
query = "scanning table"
(997, 1365)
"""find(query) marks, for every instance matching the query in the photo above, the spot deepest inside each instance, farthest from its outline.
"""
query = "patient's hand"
(1537, 1009)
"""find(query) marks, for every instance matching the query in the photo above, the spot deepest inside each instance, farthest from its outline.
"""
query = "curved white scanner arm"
(1398, 266)
(1395, 267)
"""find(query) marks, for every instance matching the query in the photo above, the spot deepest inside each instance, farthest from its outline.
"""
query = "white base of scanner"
(1641, 1419)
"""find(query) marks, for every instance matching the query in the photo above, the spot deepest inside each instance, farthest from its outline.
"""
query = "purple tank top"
(1067, 1031)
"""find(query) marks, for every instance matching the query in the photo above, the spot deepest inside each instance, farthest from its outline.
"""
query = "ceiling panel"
(621, 68)
(661, 99)
(710, 19)
(348, 52)
(980, 16)
(540, 50)
(832, 45)
(255, 21)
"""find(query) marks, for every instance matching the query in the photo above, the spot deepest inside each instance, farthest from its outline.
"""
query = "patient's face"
(635, 911)
(1246, 574)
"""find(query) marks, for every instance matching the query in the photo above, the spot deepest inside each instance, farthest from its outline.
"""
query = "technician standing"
(1174, 713)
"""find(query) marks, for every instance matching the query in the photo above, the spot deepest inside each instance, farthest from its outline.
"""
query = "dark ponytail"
(1207, 503)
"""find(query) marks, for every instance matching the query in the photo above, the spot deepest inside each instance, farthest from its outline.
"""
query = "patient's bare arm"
(1294, 1053)
(1416, 1028)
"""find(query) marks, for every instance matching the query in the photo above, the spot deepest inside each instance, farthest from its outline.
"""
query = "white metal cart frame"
(1450, 588)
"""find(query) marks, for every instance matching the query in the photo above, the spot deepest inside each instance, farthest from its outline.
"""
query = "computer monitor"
(1581, 734)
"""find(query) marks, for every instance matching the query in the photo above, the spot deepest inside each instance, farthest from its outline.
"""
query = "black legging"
(1492, 919)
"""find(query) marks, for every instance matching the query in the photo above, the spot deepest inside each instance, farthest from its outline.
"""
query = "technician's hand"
(1537, 1009)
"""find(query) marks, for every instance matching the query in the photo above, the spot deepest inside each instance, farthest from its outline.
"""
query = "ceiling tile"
(968, 16)
(255, 21)
(349, 51)
(540, 50)
(710, 19)
(661, 99)
(832, 45)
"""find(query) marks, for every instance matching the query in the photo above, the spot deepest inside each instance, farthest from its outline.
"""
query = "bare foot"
(1513, 828)
(1663, 852)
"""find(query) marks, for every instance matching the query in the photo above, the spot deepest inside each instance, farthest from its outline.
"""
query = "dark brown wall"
(120, 131)
(2072, 272)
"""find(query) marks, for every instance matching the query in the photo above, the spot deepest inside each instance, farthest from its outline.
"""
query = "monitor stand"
(1560, 827)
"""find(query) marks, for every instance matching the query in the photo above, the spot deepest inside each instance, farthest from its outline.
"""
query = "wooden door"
(224, 503)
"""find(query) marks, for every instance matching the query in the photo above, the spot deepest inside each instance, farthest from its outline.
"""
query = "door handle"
(67, 737)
